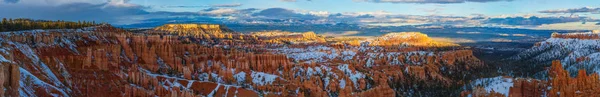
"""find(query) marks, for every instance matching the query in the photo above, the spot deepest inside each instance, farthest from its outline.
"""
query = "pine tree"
(3, 24)
(4, 21)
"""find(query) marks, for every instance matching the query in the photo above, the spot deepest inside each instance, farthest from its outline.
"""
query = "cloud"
(50, 2)
(227, 5)
(461, 32)
(11, 1)
(226, 11)
(519, 35)
(568, 26)
(534, 20)
(319, 13)
(292, 0)
(573, 10)
(202, 6)
(429, 1)
(373, 14)
(112, 11)
(219, 11)
(121, 3)
(281, 13)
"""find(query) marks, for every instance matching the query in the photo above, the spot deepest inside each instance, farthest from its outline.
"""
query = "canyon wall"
(106, 61)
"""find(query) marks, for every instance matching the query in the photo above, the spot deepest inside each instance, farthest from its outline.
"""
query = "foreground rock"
(560, 84)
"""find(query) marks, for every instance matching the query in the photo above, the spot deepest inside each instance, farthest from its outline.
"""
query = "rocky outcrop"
(289, 37)
(560, 84)
(408, 39)
(193, 29)
(581, 36)
(565, 86)
(527, 88)
(9, 80)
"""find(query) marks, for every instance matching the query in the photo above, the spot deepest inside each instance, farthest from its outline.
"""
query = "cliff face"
(289, 37)
(9, 80)
(408, 39)
(112, 62)
(193, 29)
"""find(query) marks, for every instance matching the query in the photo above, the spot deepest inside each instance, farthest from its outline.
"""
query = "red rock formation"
(112, 62)
(409, 39)
(9, 80)
(565, 86)
(583, 36)
(193, 29)
(527, 88)
(560, 84)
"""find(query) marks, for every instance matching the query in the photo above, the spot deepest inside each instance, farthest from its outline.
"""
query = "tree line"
(29, 24)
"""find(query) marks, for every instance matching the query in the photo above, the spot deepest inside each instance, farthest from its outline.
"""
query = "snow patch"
(498, 84)
(261, 78)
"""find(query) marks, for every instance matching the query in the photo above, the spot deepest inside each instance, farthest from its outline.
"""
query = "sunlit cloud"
(227, 5)
(573, 10)
(461, 32)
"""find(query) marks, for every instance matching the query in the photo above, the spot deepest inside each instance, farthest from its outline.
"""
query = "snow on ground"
(348, 55)
(36, 60)
(217, 78)
(261, 78)
(315, 53)
(354, 77)
(2, 59)
(342, 83)
(498, 84)
(569, 51)
(240, 77)
(28, 78)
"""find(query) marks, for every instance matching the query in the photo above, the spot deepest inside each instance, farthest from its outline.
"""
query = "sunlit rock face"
(193, 29)
(408, 39)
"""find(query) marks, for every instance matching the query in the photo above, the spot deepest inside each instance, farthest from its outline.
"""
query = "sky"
(501, 13)
(491, 7)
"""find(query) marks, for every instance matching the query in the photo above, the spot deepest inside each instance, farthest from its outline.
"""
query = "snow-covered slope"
(498, 84)
(575, 50)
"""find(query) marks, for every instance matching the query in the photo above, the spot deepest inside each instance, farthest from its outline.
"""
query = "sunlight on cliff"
(409, 39)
